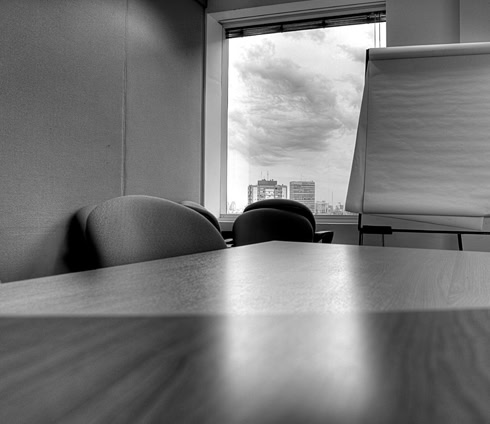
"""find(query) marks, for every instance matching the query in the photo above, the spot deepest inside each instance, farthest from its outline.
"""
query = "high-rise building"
(266, 189)
(303, 192)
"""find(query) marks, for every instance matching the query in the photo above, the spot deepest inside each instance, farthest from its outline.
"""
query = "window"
(293, 106)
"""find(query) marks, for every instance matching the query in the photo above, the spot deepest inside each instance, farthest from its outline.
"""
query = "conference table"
(275, 332)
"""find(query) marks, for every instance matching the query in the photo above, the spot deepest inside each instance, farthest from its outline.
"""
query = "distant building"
(232, 208)
(266, 189)
(339, 209)
(303, 192)
(323, 208)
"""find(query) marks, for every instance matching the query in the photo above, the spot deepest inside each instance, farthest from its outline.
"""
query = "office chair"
(140, 228)
(81, 216)
(79, 256)
(227, 234)
(294, 207)
(259, 225)
(203, 211)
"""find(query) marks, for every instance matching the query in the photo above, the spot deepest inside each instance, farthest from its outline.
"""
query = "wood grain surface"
(271, 333)
(276, 277)
(374, 367)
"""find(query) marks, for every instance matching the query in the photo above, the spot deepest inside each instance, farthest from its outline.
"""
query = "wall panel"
(475, 20)
(419, 22)
(60, 131)
(164, 99)
(84, 97)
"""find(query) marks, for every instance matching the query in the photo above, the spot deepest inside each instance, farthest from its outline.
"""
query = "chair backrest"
(259, 225)
(203, 211)
(139, 228)
(79, 254)
(285, 205)
(81, 217)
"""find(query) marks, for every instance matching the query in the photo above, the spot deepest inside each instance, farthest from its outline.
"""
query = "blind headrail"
(305, 24)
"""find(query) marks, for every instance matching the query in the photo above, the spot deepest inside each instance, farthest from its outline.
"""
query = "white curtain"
(423, 142)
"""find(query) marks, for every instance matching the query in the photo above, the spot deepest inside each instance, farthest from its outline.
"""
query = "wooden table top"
(271, 333)
(275, 277)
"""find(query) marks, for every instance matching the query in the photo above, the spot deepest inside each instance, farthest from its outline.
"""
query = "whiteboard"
(423, 143)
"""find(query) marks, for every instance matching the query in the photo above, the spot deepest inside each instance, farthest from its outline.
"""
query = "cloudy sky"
(293, 109)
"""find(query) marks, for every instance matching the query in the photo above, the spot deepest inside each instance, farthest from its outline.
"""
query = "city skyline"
(301, 191)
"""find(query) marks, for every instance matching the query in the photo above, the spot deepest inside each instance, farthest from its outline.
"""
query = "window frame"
(216, 86)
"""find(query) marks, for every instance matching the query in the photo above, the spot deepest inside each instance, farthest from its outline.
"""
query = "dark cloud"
(287, 108)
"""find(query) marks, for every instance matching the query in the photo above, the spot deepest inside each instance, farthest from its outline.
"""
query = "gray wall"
(224, 5)
(99, 98)
(418, 22)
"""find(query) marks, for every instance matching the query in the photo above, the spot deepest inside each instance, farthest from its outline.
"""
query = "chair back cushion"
(259, 225)
(203, 211)
(81, 217)
(138, 228)
(285, 205)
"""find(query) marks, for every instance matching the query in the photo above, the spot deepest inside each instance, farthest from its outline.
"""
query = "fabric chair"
(294, 207)
(139, 228)
(79, 256)
(81, 216)
(260, 225)
(203, 211)
(227, 235)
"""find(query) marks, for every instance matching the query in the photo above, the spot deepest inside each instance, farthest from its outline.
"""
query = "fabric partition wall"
(423, 143)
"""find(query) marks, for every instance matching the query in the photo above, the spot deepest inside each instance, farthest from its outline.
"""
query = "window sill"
(227, 220)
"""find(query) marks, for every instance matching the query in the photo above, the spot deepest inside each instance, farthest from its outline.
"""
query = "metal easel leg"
(359, 228)
(460, 241)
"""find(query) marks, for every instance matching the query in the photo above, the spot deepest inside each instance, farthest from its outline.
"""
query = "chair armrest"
(228, 236)
(323, 237)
